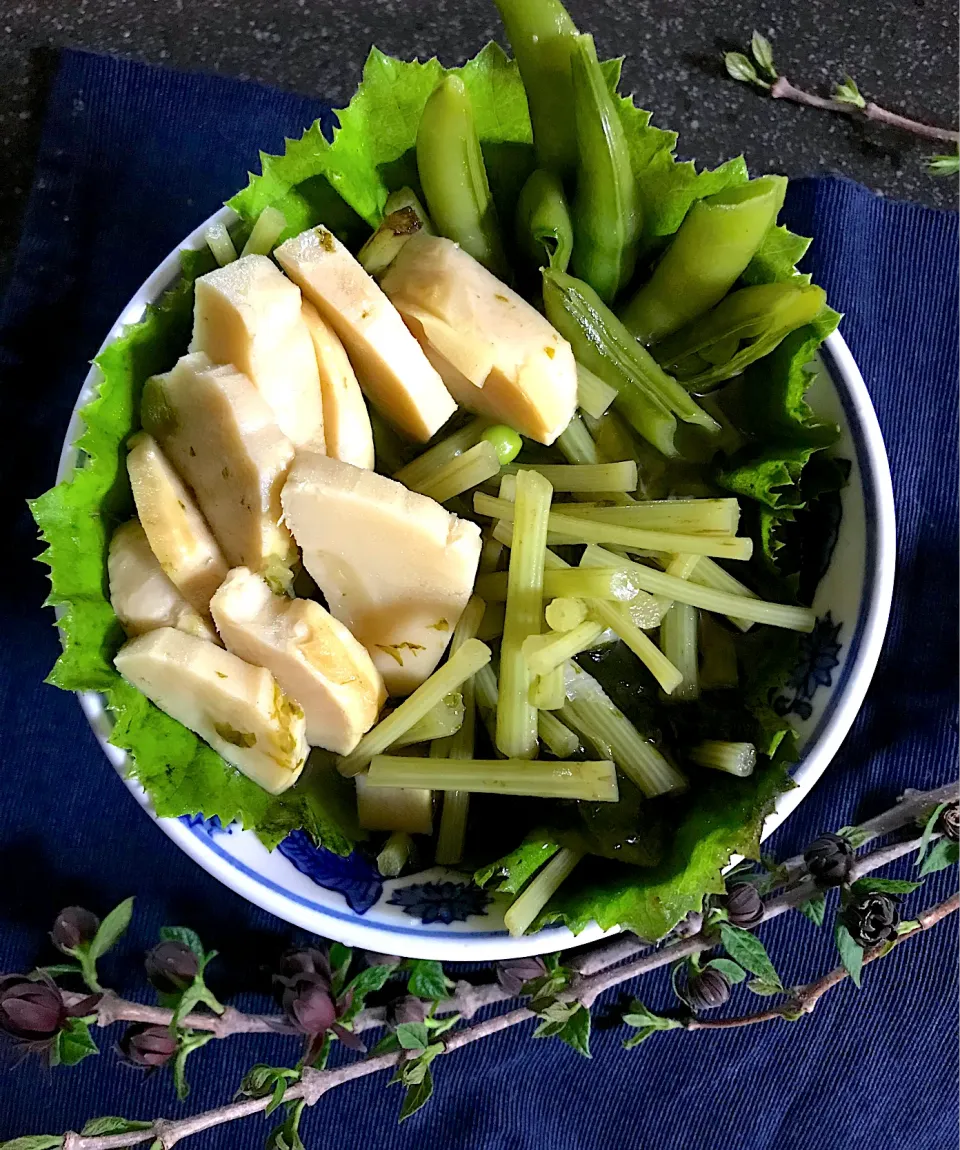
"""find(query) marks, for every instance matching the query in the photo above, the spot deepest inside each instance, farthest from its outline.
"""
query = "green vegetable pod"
(606, 208)
(544, 228)
(647, 397)
(542, 37)
(742, 328)
(453, 176)
(717, 239)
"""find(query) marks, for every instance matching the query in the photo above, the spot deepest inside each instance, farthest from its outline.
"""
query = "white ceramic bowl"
(439, 914)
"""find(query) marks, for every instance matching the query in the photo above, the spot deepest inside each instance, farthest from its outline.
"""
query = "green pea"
(505, 441)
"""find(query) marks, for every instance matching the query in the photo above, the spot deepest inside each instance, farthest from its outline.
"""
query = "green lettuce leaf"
(344, 183)
(725, 819)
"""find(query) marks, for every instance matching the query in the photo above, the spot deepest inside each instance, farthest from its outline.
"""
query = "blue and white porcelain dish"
(440, 914)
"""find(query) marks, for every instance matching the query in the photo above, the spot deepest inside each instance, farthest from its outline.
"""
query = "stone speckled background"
(903, 54)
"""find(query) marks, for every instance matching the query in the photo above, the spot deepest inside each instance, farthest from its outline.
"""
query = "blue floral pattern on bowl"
(819, 653)
(355, 876)
(444, 902)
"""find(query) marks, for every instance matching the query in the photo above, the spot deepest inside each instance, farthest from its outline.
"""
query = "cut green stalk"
(626, 619)
(538, 892)
(441, 721)
(265, 233)
(403, 217)
(612, 583)
(453, 827)
(557, 737)
(476, 465)
(548, 692)
(576, 443)
(709, 599)
(646, 610)
(490, 554)
(678, 641)
(682, 566)
(546, 652)
(395, 854)
(458, 668)
(491, 626)
(219, 242)
(686, 516)
(590, 711)
(734, 758)
(710, 574)
(408, 809)
(424, 467)
(564, 614)
(718, 656)
(621, 476)
(593, 395)
(516, 716)
(456, 804)
(578, 530)
(594, 782)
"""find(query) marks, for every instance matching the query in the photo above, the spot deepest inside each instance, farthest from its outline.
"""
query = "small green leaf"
(763, 54)
(74, 1042)
(261, 1079)
(928, 829)
(814, 909)
(764, 987)
(340, 958)
(191, 1040)
(279, 1089)
(849, 93)
(387, 1044)
(412, 1036)
(417, 1096)
(111, 928)
(749, 951)
(113, 1125)
(740, 68)
(855, 836)
(438, 1026)
(942, 854)
(732, 970)
(427, 979)
(185, 935)
(943, 165)
(851, 953)
(884, 886)
(59, 968)
(34, 1142)
(576, 1031)
(646, 1022)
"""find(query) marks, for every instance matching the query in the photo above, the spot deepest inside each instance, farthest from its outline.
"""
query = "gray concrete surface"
(903, 54)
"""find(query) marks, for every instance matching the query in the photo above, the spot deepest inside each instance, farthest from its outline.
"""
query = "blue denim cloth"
(131, 160)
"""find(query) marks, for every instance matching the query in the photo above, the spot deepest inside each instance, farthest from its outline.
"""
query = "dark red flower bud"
(171, 966)
(744, 905)
(31, 1011)
(708, 989)
(828, 860)
(949, 822)
(406, 1009)
(873, 918)
(305, 960)
(512, 975)
(308, 1004)
(74, 927)
(148, 1046)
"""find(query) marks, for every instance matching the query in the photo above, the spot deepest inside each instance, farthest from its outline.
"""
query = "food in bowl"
(467, 512)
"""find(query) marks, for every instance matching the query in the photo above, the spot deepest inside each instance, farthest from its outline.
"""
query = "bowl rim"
(823, 742)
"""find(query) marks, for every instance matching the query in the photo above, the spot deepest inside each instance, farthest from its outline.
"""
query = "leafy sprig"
(761, 72)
